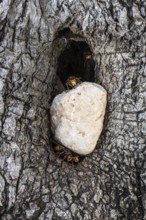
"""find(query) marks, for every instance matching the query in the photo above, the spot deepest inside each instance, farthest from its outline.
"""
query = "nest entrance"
(76, 60)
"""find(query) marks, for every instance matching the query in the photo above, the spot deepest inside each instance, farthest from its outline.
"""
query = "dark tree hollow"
(76, 60)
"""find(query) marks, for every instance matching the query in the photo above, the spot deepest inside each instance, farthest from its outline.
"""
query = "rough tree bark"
(109, 184)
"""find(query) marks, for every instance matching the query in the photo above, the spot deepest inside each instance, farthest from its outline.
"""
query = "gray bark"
(109, 184)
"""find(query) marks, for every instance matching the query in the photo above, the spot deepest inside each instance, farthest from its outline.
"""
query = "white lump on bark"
(77, 117)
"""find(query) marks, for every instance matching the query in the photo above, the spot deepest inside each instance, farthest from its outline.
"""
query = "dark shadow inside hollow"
(76, 60)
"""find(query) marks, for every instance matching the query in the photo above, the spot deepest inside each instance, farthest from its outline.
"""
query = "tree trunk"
(109, 184)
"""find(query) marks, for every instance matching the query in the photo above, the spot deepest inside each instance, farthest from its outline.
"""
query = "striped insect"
(66, 154)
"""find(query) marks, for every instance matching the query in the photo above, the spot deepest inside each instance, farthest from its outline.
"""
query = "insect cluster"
(65, 154)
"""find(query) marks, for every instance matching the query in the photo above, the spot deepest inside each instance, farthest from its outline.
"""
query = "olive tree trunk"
(109, 184)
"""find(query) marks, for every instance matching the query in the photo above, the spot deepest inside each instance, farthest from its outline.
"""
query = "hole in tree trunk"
(76, 60)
